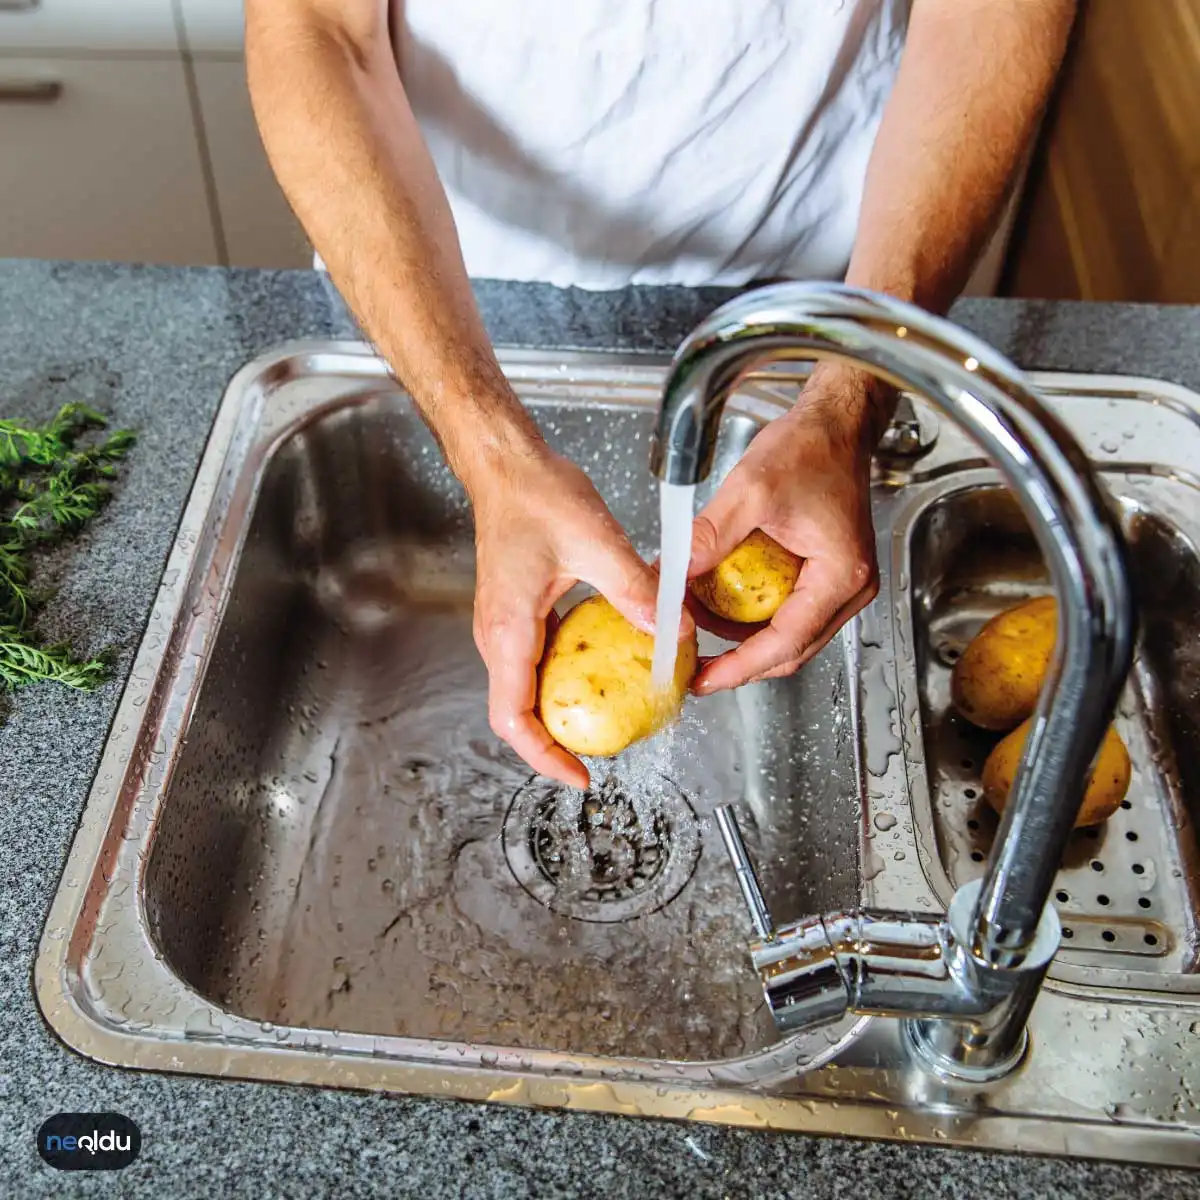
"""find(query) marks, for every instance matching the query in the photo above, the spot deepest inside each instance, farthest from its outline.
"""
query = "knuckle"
(632, 579)
(795, 650)
(861, 573)
(704, 535)
(501, 628)
(791, 645)
(758, 493)
(499, 720)
(790, 667)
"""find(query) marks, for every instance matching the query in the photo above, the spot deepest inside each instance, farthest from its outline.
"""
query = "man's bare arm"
(973, 79)
(346, 148)
(347, 151)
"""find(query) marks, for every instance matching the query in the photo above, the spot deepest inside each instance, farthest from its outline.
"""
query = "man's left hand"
(804, 481)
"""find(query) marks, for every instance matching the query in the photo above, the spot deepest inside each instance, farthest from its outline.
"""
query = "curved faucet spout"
(1075, 525)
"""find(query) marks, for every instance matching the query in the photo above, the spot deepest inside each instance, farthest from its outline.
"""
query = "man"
(603, 142)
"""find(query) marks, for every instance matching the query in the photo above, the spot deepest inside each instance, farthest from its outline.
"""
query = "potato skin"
(595, 694)
(996, 682)
(1106, 786)
(750, 583)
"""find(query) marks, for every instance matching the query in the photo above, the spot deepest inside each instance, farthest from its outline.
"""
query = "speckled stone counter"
(154, 348)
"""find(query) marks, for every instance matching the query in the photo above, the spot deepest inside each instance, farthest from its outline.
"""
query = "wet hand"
(805, 481)
(540, 528)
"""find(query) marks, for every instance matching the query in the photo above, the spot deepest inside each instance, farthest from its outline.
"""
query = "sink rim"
(846, 1097)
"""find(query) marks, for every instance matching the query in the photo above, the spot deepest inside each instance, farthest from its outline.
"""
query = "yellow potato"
(1106, 787)
(595, 694)
(750, 583)
(996, 682)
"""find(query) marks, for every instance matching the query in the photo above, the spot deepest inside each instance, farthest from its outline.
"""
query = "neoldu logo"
(89, 1141)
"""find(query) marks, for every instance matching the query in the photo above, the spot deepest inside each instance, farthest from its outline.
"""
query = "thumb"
(629, 584)
(719, 527)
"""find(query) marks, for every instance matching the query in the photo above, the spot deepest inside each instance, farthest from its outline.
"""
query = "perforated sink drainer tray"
(1128, 891)
(1115, 891)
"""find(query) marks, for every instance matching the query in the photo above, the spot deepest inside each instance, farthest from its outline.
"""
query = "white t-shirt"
(607, 142)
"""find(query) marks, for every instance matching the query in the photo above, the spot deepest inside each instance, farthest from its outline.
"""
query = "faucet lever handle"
(735, 847)
(909, 435)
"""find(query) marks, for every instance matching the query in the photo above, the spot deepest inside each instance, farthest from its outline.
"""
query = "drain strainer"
(601, 855)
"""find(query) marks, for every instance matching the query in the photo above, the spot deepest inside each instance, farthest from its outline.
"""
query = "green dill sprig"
(22, 663)
(50, 486)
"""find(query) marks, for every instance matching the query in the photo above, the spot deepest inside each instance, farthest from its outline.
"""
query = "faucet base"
(992, 1042)
(926, 1041)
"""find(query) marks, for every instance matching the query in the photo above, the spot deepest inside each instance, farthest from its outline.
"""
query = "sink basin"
(306, 858)
(346, 845)
(1127, 888)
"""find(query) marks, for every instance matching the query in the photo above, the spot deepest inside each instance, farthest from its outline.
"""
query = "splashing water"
(675, 509)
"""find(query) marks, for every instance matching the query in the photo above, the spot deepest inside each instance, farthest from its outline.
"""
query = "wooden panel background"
(1112, 211)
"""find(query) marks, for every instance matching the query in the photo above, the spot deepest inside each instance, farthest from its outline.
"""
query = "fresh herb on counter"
(50, 486)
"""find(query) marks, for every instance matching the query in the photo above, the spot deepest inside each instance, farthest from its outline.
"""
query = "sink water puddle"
(431, 888)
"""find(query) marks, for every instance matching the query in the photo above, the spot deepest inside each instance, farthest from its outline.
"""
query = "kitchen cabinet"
(213, 26)
(105, 166)
(258, 226)
(102, 26)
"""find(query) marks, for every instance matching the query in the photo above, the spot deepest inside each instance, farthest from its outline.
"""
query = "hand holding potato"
(804, 482)
(540, 528)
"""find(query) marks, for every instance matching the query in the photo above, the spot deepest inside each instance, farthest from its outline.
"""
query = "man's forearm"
(973, 80)
(348, 153)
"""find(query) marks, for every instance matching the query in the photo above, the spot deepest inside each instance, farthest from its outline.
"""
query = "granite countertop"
(154, 347)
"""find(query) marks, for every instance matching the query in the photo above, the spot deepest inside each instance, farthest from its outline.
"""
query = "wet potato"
(1106, 786)
(751, 582)
(997, 681)
(595, 694)
(996, 684)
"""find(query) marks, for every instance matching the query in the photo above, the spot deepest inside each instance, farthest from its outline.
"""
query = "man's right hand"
(347, 149)
(540, 528)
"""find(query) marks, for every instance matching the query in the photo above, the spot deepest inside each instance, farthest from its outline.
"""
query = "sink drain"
(599, 855)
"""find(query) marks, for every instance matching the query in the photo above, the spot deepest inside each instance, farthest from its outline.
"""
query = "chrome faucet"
(964, 983)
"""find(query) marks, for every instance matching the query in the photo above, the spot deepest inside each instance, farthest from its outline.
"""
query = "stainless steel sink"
(306, 858)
